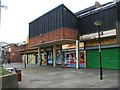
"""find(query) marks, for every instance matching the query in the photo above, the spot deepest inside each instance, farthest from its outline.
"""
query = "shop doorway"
(44, 58)
(82, 59)
(50, 58)
(70, 59)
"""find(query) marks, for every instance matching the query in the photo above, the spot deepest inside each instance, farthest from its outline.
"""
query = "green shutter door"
(109, 58)
(92, 59)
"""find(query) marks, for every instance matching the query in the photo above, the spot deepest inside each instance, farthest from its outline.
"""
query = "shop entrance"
(50, 58)
(44, 58)
(59, 58)
(70, 59)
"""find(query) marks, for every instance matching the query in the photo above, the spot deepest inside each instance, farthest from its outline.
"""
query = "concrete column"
(85, 53)
(54, 55)
(77, 55)
(39, 56)
(25, 59)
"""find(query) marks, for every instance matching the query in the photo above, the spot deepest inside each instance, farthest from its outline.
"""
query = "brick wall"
(15, 55)
(62, 33)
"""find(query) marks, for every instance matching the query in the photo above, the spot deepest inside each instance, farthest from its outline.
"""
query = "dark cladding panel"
(118, 21)
(46, 23)
(69, 19)
(88, 28)
(102, 20)
(36, 25)
(107, 16)
(59, 17)
(106, 19)
(112, 13)
(49, 21)
(30, 30)
(92, 26)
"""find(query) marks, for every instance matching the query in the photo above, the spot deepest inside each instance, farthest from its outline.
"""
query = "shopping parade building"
(70, 40)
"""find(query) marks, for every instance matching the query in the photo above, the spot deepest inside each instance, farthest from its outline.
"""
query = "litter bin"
(18, 71)
(11, 69)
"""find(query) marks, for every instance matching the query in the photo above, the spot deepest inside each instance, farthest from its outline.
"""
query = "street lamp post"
(24, 60)
(2, 6)
(98, 24)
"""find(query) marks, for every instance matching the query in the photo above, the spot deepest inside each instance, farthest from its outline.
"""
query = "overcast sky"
(15, 19)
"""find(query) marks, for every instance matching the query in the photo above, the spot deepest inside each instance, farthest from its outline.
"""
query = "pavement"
(34, 76)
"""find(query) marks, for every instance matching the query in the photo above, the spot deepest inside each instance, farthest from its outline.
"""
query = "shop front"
(70, 59)
(70, 56)
(47, 56)
(50, 57)
(59, 57)
(30, 56)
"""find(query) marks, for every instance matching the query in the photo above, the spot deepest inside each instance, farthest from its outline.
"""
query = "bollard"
(25, 64)
(18, 71)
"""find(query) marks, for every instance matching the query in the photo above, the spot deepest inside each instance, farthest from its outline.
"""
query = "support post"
(54, 55)
(24, 60)
(77, 55)
(85, 53)
(39, 57)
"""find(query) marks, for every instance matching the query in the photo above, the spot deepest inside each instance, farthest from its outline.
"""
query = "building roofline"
(46, 13)
(61, 5)
(92, 8)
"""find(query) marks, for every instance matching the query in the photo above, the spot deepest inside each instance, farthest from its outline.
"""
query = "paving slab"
(35, 76)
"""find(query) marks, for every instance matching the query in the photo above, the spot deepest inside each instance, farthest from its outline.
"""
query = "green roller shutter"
(92, 59)
(109, 58)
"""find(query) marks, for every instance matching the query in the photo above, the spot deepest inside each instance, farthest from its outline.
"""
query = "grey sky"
(14, 20)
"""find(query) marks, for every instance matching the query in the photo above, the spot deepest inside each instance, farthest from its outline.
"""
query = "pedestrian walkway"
(35, 76)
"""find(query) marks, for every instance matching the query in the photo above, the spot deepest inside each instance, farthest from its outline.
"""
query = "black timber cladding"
(59, 17)
(69, 19)
(118, 21)
(106, 15)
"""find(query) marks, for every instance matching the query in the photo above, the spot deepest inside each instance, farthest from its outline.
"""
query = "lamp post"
(98, 24)
(2, 6)
(24, 59)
